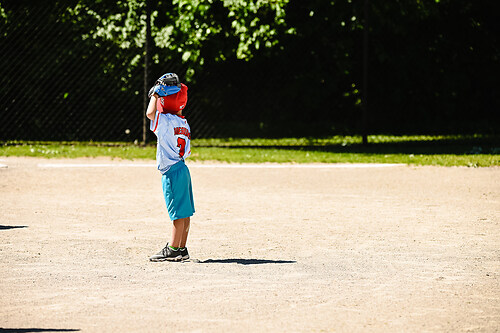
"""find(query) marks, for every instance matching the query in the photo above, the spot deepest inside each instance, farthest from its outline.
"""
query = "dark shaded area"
(454, 145)
(487, 145)
(59, 86)
(33, 330)
(246, 261)
(7, 227)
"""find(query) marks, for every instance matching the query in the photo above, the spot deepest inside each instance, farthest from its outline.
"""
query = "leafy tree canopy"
(185, 27)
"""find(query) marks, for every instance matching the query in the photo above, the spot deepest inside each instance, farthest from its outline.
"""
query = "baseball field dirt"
(275, 248)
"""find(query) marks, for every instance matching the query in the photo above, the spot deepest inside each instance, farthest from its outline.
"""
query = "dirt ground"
(278, 249)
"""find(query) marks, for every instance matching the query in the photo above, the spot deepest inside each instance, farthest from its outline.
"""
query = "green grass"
(254, 155)
(348, 140)
(77, 149)
(451, 150)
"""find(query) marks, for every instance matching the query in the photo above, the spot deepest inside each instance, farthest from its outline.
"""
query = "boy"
(167, 100)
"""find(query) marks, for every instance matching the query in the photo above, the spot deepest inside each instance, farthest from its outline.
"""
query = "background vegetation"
(73, 70)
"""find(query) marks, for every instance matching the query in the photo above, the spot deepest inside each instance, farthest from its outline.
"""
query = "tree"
(184, 29)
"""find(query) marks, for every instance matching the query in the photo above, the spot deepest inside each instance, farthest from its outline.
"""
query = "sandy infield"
(308, 249)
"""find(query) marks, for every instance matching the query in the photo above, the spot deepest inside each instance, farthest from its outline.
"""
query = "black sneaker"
(167, 254)
(184, 253)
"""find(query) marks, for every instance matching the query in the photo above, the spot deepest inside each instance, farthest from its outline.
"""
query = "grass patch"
(451, 150)
(256, 155)
(77, 149)
(348, 140)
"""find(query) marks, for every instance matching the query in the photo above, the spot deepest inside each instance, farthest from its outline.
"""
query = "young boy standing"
(168, 98)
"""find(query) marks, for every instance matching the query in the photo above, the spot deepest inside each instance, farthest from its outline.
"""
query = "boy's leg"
(180, 232)
(185, 231)
(177, 227)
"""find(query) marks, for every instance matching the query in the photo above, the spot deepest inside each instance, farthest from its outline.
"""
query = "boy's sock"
(173, 248)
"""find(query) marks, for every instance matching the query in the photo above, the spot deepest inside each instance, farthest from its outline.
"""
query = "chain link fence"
(59, 84)
(56, 85)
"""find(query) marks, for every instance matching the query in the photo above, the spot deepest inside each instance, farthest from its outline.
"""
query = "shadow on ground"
(29, 330)
(7, 227)
(489, 145)
(246, 261)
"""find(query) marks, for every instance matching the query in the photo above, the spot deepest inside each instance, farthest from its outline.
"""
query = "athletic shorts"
(177, 190)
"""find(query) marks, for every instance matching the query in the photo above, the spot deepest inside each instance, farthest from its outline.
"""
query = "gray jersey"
(174, 139)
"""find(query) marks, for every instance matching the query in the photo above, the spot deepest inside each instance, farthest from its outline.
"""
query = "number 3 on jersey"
(181, 143)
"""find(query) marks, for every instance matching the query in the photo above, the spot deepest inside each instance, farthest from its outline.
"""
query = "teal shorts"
(177, 190)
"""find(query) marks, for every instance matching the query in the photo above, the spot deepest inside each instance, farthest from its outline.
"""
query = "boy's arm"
(151, 111)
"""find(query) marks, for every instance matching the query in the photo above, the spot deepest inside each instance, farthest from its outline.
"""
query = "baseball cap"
(173, 103)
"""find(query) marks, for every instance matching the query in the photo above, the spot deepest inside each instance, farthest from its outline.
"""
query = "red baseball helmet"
(173, 103)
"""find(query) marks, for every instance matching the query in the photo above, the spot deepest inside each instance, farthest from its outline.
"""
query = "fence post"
(147, 56)
(364, 117)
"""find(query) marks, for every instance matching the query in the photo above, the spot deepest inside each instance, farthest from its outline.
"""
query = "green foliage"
(124, 26)
(246, 25)
(184, 27)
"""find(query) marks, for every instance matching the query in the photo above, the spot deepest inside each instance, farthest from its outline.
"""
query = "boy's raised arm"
(151, 111)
